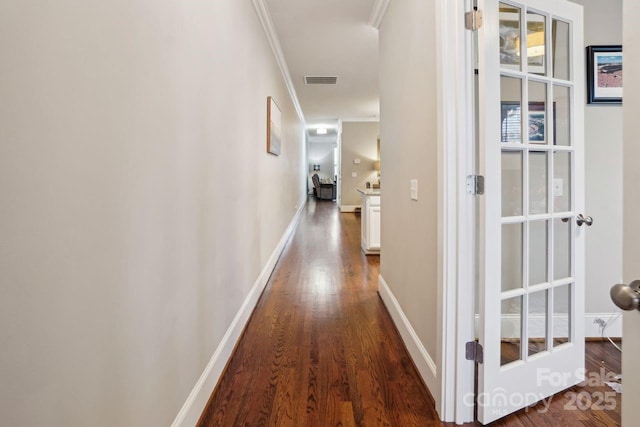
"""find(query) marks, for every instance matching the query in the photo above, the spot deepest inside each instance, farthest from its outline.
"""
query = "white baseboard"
(424, 362)
(348, 208)
(510, 324)
(613, 329)
(194, 405)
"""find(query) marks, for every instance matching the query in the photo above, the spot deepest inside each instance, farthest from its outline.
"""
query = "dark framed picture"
(604, 74)
(511, 123)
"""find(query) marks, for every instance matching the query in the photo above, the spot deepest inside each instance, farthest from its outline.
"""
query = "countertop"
(369, 191)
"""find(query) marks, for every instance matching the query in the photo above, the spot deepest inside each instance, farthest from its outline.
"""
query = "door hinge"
(473, 20)
(475, 352)
(475, 184)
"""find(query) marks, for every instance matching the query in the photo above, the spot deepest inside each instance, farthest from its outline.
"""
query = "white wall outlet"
(557, 187)
(354, 174)
(414, 189)
(356, 161)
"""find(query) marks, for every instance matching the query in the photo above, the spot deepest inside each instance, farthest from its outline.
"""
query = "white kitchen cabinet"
(370, 221)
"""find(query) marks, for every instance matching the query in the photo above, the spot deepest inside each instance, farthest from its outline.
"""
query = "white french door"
(531, 293)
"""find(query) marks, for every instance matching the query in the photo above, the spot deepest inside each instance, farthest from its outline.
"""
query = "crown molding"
(377, 14)
(267, 24)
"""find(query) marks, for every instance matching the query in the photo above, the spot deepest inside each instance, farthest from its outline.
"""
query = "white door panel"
(531, 98)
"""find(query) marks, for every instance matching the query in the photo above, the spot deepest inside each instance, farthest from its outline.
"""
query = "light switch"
(414, 189)
(354, 174)
(558, 187)
(356, 161)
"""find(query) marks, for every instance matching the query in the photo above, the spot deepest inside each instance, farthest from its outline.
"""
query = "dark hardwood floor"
(591, 404)
(321, 350)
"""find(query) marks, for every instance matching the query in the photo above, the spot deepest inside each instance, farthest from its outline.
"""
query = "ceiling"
(330, 38)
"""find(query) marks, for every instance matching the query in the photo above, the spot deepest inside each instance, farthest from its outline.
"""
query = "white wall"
(603, 157)
(408, 145)
(138, 203)
(359, 141)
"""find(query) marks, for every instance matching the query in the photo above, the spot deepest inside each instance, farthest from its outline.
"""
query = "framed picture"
(511, 130)
(274, 127)
(604, 74)
(536, 125)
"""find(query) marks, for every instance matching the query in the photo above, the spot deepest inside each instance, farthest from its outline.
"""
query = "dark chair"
(322, 191)
(316, 184)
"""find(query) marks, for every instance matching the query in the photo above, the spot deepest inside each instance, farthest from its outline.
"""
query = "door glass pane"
(510, 330)
(537, 322)
(562, 115)
(561, 181)
(560, 42)
(536, 37)
(562, 248)
(509, 36)
(511, 256)
(561, 314)
(511, 117)
(538, 238)
(537, 113)
(511, 183)
(538, 187)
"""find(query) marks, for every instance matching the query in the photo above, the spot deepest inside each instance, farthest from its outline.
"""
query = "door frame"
(631, 199)
(456, 210)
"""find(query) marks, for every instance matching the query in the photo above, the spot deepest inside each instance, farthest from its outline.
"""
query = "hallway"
(320, 348)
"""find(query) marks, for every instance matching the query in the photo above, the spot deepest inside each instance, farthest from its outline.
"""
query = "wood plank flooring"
(591, 404)
(321, 350)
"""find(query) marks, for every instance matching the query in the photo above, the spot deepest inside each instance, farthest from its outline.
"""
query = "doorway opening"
(323, 160)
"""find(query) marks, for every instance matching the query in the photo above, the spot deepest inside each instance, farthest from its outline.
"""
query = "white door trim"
(454, 69)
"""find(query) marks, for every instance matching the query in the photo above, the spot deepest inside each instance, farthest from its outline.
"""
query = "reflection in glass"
(510, 330)
(560, 40)
(512, 239)
(536, 38)
(511, 183)
(538, 184)
(561, 181)
(538, 237)
(511, 100)
(561, 314)
(562, 115)
(537, 114)
(509, 36)
(561, 248)
(537, 322)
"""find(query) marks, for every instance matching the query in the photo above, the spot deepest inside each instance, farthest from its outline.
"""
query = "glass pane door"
(531, 149)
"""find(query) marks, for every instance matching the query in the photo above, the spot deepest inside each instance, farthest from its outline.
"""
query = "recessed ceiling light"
(321, 131)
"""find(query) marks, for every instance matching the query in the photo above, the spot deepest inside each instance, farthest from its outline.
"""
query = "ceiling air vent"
(320, 80)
